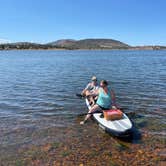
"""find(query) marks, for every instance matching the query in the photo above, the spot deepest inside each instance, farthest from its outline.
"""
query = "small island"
(85, 44)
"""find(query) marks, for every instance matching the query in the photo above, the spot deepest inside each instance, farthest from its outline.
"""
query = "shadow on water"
(134, 136)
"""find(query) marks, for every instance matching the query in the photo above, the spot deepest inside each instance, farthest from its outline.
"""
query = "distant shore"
(97, 49)
(85, 44)
(63, 49)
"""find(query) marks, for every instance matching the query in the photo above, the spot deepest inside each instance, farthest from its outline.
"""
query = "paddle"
(79, 95)
(90, 113)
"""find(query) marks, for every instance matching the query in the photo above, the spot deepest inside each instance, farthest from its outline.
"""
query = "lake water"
(37, 88)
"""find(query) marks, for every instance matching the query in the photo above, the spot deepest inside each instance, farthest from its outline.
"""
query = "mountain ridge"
(90, 44)
(84, 44)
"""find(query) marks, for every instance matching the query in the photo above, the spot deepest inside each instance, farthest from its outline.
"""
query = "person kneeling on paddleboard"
(106, 99)
(90, 89)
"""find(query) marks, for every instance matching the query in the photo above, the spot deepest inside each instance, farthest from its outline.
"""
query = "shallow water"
(37, 89)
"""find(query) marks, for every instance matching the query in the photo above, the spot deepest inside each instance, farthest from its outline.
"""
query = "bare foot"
(82, 123)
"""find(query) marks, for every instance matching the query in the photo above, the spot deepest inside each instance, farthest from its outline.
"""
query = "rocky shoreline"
(84, 145)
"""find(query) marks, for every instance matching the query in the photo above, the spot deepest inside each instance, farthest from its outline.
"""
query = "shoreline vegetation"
(85, 44)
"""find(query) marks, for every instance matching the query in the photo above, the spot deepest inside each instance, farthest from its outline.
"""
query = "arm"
(96, 92)
(86, 88)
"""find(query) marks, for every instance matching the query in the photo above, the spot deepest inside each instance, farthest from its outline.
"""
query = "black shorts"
(103, 107)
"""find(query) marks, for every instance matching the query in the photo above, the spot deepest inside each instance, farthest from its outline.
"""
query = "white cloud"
(2, 40)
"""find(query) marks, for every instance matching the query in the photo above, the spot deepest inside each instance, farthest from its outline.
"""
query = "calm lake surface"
(37, 88)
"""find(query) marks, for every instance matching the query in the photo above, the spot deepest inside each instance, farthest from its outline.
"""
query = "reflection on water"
(38, 87)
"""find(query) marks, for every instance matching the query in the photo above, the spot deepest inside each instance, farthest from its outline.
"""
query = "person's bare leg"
(92, 102)
(90, 97)
(87, 93)
(84, 93)
(93, 109)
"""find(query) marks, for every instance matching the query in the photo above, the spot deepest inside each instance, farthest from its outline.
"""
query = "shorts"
(103, 107)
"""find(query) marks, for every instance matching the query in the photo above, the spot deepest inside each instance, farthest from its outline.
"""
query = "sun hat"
(94, 78)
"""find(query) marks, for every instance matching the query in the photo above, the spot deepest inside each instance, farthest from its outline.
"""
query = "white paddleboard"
(120, 127)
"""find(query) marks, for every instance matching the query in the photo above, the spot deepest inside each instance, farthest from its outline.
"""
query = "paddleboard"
(121, 127)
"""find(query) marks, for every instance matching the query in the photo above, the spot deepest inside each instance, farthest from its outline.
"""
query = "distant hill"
(70, 44)
(90, 44)
(63, 43)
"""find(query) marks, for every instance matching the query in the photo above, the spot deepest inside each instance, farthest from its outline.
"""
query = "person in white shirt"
(90, 89)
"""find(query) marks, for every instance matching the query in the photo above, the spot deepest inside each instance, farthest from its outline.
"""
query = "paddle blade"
(79, 95)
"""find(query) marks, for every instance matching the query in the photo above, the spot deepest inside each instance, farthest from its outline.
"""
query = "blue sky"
(136, 22)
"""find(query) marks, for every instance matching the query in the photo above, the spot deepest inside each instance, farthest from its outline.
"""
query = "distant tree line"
(22, 46)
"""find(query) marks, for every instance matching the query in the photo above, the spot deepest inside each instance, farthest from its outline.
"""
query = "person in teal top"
(106, 99)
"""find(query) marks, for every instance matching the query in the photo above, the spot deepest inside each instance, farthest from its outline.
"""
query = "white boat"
(121, 127)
